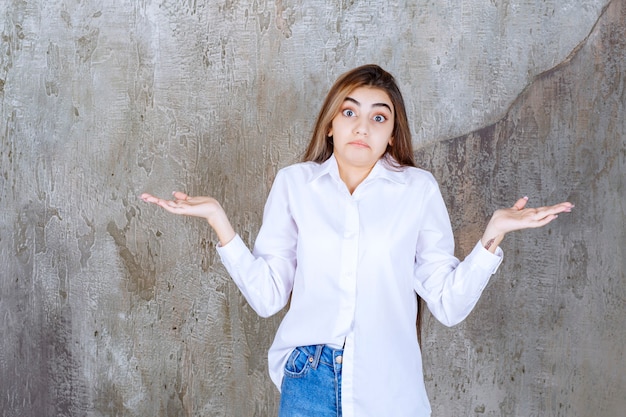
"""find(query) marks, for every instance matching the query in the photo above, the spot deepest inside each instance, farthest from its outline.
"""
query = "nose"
(361, 127)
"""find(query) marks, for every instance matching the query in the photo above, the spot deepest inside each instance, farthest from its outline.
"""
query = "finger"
(148, 198)
(544, 221)
(174, 206)
(521, 203)
(180, 195)
(565, 207)
(193, 200)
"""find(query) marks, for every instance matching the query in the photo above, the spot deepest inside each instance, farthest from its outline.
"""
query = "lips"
(359, 143)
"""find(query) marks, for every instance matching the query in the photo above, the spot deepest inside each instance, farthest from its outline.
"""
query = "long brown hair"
(321, 145)
(399, 155)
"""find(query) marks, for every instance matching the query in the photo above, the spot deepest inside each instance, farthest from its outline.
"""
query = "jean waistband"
(324, 354)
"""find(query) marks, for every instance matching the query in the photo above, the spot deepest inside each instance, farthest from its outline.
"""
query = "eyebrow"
(373, 105)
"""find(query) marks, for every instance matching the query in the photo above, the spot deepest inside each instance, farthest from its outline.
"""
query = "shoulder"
(298, 173)
(419, 174)
(412, 176)
(299, 167)
(301, 171)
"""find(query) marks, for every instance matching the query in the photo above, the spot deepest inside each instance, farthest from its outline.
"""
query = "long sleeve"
(450, 288)
(265, 275)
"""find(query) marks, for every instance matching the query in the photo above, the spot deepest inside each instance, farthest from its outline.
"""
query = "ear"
(391, 141)
(330, 133)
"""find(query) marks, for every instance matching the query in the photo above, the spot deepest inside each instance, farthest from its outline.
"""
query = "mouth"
(359, 143)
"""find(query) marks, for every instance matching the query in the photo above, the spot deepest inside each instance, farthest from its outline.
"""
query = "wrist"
(491, 240)
(221, 225)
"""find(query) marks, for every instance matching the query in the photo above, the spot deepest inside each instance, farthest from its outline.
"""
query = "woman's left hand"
(518, 217)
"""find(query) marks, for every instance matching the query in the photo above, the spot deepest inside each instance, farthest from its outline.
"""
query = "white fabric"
(352, 264)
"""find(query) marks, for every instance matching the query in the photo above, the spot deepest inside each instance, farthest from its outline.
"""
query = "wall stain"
(285, 18)
(86, 45)
(86, 242)
(141, 275)
(577, 261)
(53, 67)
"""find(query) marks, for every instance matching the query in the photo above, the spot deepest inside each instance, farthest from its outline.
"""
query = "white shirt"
(352, 264)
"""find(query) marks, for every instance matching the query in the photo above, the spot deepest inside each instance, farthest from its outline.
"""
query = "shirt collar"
(383, 169)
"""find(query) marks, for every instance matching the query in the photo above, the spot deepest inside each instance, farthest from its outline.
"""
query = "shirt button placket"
(349, 257)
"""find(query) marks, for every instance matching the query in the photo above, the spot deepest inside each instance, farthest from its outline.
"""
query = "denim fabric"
(311, 386)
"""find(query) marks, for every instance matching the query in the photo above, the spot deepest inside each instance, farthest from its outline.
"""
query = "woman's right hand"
(205, 207)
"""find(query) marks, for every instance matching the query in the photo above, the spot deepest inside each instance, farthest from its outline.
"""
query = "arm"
(265, 276)
(452, 288)
(449, 287)
(517, 217)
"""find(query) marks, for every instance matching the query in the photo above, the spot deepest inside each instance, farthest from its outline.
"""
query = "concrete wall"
(111, 307)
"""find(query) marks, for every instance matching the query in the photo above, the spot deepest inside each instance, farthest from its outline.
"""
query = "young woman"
(351, 234)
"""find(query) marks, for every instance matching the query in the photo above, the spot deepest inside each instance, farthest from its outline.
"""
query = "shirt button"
(339, 359)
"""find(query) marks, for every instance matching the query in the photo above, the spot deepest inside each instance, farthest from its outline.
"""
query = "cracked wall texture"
(110, 307)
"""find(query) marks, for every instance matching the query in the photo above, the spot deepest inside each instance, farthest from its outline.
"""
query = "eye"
(379, 118)
(348, 113)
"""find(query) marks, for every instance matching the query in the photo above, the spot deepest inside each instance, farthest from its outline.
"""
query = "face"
(362, 129)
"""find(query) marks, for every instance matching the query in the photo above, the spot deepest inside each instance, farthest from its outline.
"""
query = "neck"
(353, 176)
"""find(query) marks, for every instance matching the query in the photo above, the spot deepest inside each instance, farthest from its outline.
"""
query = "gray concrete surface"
(112, 308)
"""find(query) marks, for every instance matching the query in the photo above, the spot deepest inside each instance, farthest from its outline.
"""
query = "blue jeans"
(311, 386)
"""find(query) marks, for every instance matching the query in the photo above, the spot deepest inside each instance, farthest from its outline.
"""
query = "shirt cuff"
(233, 252)
(481, 257)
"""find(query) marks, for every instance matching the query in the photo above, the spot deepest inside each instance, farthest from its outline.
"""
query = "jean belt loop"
(316, 356)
